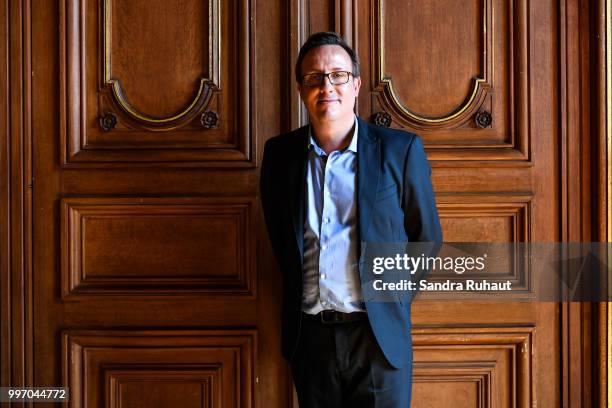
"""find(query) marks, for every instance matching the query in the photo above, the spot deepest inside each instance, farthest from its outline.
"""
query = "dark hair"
(318, 40)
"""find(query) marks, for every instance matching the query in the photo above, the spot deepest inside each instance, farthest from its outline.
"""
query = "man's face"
(327, 102)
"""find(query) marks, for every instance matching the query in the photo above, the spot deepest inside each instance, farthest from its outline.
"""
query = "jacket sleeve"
(269, 197)
(421, 221)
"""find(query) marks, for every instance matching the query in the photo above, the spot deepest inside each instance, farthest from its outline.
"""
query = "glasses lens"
(339, 78)
(335, 78)
(312, 79)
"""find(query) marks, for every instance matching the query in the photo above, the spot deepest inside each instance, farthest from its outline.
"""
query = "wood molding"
(95, 360)
(298, 31)
(516, 207)
(451, 139)
(100, 128)
(584, 63)
(206, 85)
(516, 343)
(16, 196)
(389, 98)
(5, 219)
(221, 262)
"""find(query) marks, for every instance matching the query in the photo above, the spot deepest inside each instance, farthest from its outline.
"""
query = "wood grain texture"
(485, 217)
(203, 368)
(546, 148)
(524, 153)
(157, 246)
(16, 240)
(476, 367)
(6, 294)
(428, 83)
(209, 174)
(436, 78)
(160, 89)
(194, 386)
(109, 66)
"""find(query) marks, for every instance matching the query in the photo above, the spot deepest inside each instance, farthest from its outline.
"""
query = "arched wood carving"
(386, 87)
(157, 66)
(206, 85)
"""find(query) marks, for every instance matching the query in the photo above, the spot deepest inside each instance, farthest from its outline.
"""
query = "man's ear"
(357, 84)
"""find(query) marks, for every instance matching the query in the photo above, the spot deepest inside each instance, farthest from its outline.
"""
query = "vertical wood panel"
(321, 16)
(16, 208)
(159, 90)
(256, 55)
(5, 220)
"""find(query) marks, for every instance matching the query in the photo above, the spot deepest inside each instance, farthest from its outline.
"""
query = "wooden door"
(135, 267)
(480, 81)
(477, 81)
(146, 218)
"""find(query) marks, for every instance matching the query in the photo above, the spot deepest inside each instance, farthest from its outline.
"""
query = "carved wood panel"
(456, 73)
(154, 246)
(477, 81)
(487, 218)
(146, 223)
(155, 82)
(195, 368)
(476, 367)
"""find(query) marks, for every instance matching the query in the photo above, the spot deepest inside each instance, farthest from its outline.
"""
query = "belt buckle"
(329, 316)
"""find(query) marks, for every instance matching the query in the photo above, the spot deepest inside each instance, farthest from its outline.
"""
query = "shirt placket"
(325, 232)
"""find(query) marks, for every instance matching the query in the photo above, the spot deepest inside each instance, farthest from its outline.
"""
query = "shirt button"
(322, 276)
(326, 220)
(324, 247)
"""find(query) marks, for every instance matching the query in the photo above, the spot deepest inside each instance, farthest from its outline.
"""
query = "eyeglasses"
(335, 78)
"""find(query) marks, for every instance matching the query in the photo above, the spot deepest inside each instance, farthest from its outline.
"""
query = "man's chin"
(332, 115)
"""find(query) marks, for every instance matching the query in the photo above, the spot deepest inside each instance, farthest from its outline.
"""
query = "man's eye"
(337, 74)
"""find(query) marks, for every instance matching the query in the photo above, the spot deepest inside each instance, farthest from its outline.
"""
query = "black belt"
(334, 317)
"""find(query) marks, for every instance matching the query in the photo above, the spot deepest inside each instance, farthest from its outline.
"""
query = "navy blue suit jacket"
(395, 204)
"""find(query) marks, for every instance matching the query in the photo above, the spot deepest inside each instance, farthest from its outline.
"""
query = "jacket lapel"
(368, 174)
(296, 186)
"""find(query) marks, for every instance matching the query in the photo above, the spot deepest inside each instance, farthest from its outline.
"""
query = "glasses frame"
(324, 76)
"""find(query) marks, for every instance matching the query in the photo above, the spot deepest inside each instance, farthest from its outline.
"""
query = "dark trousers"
(341, 365)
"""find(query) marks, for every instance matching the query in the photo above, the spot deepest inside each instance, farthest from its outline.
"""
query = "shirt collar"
(352, 146)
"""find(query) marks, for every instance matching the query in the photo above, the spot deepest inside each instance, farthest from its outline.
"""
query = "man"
(325, 189)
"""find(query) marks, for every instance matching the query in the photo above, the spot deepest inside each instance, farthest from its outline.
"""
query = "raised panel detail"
(125, 246)
(460, 71)
(153, 83)
(161, 93)
(185, 387)
(472, 63)
(496, 219)
(189, 368)
(163, 386)
(473, 367)
(484, 218)
(469, 384)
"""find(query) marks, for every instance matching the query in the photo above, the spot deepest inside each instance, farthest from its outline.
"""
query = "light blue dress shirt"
(331, 274)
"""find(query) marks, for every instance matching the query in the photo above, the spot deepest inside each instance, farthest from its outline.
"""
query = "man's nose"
(326, 84)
